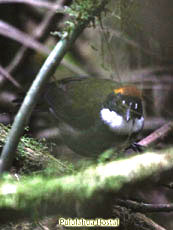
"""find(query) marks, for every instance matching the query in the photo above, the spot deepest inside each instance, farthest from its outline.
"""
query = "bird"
(95, 114)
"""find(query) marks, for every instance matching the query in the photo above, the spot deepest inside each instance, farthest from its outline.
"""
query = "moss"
(80, 12)
(33, 156)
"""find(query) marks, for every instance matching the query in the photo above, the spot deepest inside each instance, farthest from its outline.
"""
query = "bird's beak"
(128, 114)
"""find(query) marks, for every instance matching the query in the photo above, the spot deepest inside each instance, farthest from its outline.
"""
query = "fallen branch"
(39, 196)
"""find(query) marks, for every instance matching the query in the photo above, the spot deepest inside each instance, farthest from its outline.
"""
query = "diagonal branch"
(17, 35)
(143, 207)
(157, 134)
(8, 76)
(38, 3)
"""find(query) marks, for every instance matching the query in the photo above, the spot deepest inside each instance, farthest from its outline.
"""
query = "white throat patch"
(118, 124)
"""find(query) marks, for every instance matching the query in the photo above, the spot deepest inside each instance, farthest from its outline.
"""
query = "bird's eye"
(136, 106)
(124, 102)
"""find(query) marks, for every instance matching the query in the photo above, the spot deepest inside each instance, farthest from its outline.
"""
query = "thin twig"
(38, 34)
(5, 74)
(10, 31)
(38, 3)
(157, 135)
(143, 207)
(16, 60)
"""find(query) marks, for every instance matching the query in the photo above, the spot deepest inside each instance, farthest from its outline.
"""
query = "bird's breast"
(93, 140)
(118, 124)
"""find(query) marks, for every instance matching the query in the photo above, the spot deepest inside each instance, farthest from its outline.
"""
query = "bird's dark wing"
(77, 101)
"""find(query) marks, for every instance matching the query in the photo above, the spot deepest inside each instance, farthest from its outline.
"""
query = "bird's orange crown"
(129, 90)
